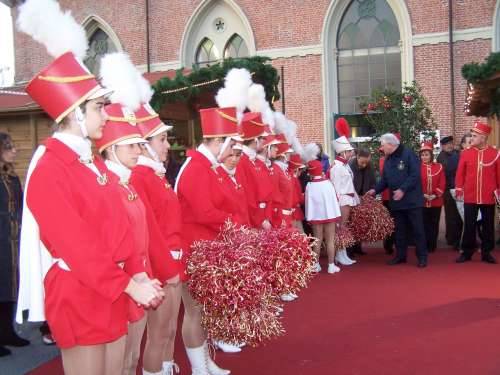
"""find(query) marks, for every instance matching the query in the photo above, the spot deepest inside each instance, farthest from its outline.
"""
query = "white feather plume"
(297, 146)
(120, 75)
(311, 152)
(235, 90)
(257, 103)
(58, 31)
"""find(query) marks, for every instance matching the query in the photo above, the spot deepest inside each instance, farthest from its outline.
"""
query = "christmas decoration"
(183, 88)
(370, 221)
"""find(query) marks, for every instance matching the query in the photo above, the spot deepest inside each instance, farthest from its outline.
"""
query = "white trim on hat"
(101, 92)
(131, 141)
(161, 129)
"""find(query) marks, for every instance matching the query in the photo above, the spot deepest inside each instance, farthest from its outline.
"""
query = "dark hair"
(5, 144)
(248, 141)
(363, 152)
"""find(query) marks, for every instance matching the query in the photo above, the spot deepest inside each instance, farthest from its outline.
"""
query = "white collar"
(118, 169)
(251, 153)
(282, 165)
(230, 172)
(202, 149)
(157, 166)
(81, 146)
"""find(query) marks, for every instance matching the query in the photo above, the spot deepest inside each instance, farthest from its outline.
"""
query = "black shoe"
(431, 250)
(488, 258)
(463, 258)
(4, 351)
(422, 264)
(395, 261)
(389, 251)
(13, 339)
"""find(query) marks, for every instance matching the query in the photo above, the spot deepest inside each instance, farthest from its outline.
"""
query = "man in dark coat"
(448, 157)
(401, 175)
(363, 180)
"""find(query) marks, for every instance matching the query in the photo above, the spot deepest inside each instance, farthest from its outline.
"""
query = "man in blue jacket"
(401, 175)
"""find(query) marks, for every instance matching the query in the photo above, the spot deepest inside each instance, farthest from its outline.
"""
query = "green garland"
(263, 73)
(475, 72)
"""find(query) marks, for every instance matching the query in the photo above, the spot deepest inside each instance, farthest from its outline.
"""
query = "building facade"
(332, 52)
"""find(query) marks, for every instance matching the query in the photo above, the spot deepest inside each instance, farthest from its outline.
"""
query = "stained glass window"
(99, 45)
(207, 53)
(369, 56)
(235, 47)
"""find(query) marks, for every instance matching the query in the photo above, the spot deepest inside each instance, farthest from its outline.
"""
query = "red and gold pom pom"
(343, 238)
(370, 221)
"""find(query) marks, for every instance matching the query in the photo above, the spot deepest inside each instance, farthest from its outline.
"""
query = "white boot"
(227, 347)
(170, 368)
(294, 295)
(341, 257)
(198, 360)
(144, 372)
(332, 268)
(347, 257)
(287, 297)
(213, 369)
(316, 267)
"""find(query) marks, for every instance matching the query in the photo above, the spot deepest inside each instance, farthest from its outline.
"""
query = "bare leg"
(330, 241)
(115, 352)
(162, 326)
(173, 314)
(192, 332)
(345, 211)
(133, 346)
(298, 224)
(83, 360)
(318, 232)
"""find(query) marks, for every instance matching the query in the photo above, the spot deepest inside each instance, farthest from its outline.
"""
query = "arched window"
(99, 45)
(207, 53)
(235, 47)
(369, 56)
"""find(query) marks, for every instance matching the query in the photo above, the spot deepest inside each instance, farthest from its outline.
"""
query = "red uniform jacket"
(478, 175)
(265, 191)
(138, 227)
(83, 222)
(297, 198)
(277, 198)
(236, 191)
(283, 210)
(164, 222)
(205, 204)
(385, 193)
(433, 183)
(248, 176)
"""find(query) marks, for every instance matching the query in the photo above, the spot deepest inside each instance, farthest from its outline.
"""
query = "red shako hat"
(481, 128)
(120, 128)
(149, 122)
(426, 146)
(219, 122)
(284, 148)
(251, 126)
(63, 85)
(270, 140)
(314, 168)
(295, 162)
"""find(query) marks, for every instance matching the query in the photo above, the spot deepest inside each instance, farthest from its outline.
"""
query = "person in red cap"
(266, 178)
(433, 186)
(77, 210)
(205, 203)
(322, 212)
(477, 184)
(120, 146)
(248, 168)
(295, 168)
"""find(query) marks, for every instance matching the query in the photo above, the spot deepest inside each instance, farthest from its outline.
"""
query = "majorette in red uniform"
(205, 201)
(433, 185)
(247, 171)
(120, 146)
(283, 211)
(77, 204)
(233, 184)
(295, 166)
(477, 183)
(322, 212)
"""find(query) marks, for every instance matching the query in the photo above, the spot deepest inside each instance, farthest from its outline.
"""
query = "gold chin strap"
(257, 123)
(227, 117)
(66, 79)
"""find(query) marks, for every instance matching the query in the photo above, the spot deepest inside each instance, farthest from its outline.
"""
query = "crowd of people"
(105, 238)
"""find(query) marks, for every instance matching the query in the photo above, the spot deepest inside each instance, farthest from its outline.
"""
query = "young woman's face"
(95, 117)
(227, 151)
(9, 152)
(273, 151)
(159, 143)
(232, 160)
(477, 139)
(127, 154)
(425, 156)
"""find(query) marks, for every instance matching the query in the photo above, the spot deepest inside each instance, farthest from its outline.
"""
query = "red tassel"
(342, 127)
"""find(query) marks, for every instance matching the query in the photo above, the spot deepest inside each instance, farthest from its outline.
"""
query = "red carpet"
(375, 319)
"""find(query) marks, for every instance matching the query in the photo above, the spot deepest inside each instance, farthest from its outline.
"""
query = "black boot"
(4, 351)
(8, 335)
